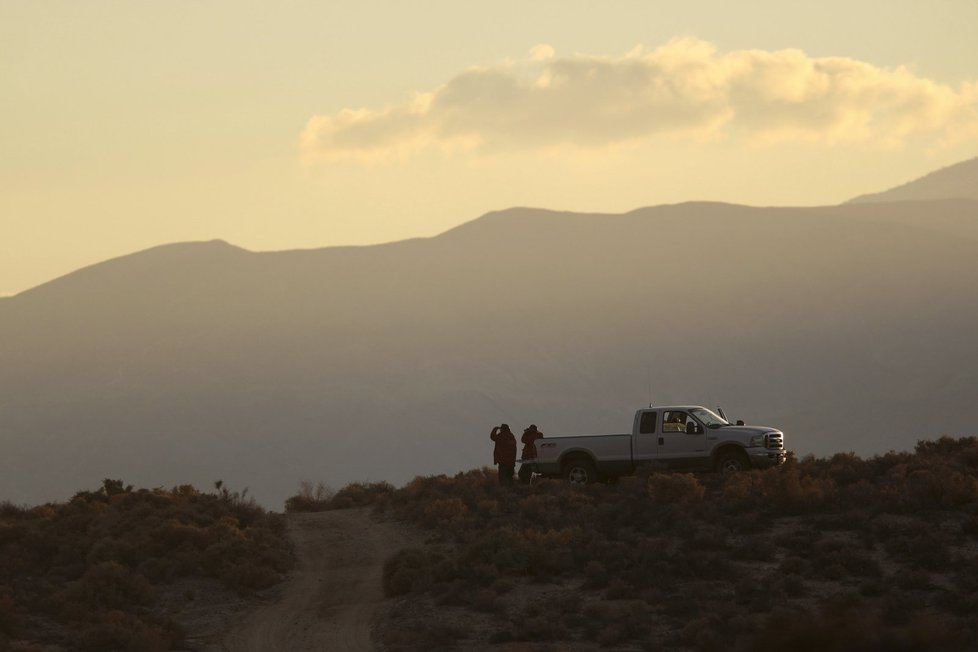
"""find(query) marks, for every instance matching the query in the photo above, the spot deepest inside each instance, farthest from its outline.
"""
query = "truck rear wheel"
(580, 471)
(732, 461)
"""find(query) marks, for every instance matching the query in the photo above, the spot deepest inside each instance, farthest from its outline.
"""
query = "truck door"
(682, 439)
(646, 436)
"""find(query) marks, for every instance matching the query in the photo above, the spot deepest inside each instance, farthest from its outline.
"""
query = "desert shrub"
(960, 604)
(486, 600)
(595, 575)
(838, 559)
(444, 511)
(688, 547)
(946, 447)
(925, 549)
(109, 585)
(311, 498)
(424, 636)
(103, 551)
(793, 585)
(796, 565)
(738, 487)
(966, 579)
(404, 571)
(361, 494)
(750, 548)
(10, 619)
(940, 486)
(792, 490)
(707, 634)
(912, 580)
(118, 630)
(245, 577)
(539, 507)
(551, 552)
(10, 511)
(675, 488)
(505, 549)
(799, 538)
(886, 526)
(853, 627)
(846, 468)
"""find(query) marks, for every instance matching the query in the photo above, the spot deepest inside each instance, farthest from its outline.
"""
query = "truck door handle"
(662, 441)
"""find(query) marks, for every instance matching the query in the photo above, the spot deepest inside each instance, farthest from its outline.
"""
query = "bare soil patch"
(331, 600)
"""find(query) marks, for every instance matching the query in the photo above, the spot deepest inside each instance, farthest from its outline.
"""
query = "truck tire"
(732, 461)
(580, 471)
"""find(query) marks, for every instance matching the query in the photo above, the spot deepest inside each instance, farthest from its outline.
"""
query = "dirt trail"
(329, 600)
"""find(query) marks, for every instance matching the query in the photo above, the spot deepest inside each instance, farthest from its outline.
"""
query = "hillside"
(956, 181)
(820, 555)
(133, 569)
(849, 327)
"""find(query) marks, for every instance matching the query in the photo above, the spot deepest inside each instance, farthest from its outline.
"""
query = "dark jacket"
(505, 449)
(529, 443)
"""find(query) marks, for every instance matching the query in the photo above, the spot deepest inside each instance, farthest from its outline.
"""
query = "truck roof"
(671, 407)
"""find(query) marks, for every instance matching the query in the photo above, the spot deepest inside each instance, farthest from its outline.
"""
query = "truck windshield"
(708, 418)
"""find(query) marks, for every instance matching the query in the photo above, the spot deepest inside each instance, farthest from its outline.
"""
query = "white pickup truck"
(675, 436)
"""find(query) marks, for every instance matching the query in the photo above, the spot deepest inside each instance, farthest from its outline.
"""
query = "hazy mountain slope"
(958, 181)
(850, 327)
(956, 218)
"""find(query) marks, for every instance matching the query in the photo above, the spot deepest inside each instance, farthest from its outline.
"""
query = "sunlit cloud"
(683, 89)
(541, 52)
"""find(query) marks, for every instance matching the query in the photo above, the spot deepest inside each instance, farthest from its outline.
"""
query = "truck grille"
(775, 441)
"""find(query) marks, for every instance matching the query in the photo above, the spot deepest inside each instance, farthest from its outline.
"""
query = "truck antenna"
(648, 372)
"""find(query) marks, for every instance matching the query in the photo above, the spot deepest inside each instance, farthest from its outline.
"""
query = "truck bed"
(615, 450)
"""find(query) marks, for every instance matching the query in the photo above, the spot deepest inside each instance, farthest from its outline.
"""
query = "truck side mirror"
(740, 422)
(692, 428)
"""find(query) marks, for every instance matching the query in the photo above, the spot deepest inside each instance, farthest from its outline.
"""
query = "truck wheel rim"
(732, 465)
(577, 475)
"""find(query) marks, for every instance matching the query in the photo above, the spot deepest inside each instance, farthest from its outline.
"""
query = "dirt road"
(329, 600)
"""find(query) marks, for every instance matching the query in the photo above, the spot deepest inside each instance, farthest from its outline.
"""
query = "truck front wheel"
(732, 461)
(580, 472)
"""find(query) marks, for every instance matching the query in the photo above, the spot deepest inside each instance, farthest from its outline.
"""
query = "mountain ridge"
(957, 181)
(389, 361)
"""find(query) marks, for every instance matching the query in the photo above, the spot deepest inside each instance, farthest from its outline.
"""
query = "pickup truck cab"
(675, 436)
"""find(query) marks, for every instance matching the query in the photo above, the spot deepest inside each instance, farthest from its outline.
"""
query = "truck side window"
(674, 421)
(647, 426)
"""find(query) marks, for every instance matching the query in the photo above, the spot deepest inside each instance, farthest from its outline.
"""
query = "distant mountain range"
(956, 181)
(851, 327)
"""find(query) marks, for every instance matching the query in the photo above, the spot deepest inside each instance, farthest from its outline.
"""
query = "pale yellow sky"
(309, 124)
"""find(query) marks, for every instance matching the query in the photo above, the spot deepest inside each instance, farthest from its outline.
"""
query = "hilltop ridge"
(202, 360)
(958, 181)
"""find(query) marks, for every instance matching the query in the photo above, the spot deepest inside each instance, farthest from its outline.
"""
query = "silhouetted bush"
(90, 565)
(840, 553)
(311, 498)
(405, 570)
(320, 498)
(675, 488)
(843, 628)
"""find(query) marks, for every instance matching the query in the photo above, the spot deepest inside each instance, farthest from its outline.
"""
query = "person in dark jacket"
(529, 439)
(504, 453)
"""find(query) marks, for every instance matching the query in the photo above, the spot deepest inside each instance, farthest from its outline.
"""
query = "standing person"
(504, 453)
(529, 439)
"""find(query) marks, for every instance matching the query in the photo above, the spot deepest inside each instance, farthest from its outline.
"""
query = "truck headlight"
(757, 441)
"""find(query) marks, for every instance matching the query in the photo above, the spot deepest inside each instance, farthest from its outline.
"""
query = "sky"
(125, 125)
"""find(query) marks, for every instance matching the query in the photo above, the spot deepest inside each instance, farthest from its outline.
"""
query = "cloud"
(541, 52)
(683, 89)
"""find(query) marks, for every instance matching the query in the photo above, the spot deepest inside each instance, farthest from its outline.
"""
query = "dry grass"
(820, 554)
(86, 574)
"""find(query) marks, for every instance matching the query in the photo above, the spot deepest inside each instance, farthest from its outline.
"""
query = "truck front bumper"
(764, 458)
